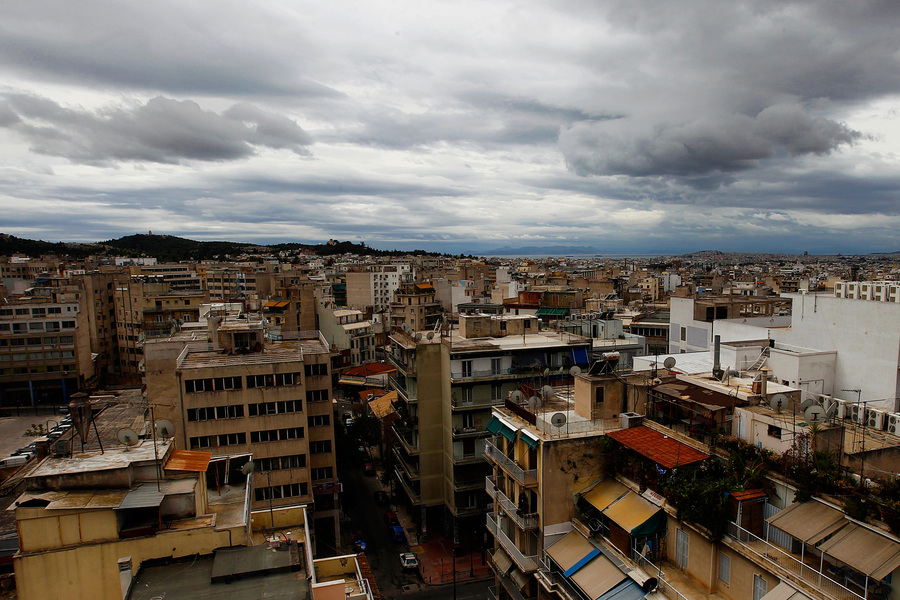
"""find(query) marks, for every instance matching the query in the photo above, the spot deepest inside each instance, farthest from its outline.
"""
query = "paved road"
(476, 590)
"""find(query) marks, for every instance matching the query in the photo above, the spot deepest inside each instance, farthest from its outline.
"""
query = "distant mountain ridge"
(539, 251)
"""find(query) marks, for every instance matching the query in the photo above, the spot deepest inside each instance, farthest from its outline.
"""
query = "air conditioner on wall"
(875, 418)
(855, 413)
(893, 423)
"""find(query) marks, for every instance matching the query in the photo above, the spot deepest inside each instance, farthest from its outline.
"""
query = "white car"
(409, 561)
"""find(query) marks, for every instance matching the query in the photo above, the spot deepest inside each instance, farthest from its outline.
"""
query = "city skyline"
(625, 127)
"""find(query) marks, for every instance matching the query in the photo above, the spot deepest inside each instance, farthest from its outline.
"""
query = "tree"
(367, 430)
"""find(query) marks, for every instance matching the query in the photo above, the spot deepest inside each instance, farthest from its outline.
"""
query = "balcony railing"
(398, 362)
(520, 518)
(468, 485)
(414, 496)
(474, 403)
(525, 478)
(403, 391)
(526, 563)
(468, 432)
(411, 471)
(464, 458)
(797, 570)
(406, 439)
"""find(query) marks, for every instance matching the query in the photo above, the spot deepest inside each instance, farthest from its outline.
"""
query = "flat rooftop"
(112, 458)
(273, 353)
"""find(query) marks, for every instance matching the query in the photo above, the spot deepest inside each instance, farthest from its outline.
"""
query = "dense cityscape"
(312, 423)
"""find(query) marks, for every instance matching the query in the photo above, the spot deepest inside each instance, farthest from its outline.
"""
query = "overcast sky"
(630, 126)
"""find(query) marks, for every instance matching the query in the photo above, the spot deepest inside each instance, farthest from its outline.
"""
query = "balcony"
(414, 496)
(459, 403)
(403, 392)
(467, 511)
(412, 471)
(468, 485)
(406, 438)
(526, 563)
(522, 519)
(467, 458)
(525, 478)
(468, 432)
(475, 375)
(554, 582)
(401, 365)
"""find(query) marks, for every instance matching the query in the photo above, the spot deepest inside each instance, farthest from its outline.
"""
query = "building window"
(224, 439)
(316, 395)
(725, 568)
(278, 463)
(276, 435)
(774, 432)
(288, 490)
(319, 420)
(260, 409)
(320, 473)
(467, 368)
(211, 413)
(496, 366)
(682, 548)
(320, 447)
(316, 369)
(213, 384)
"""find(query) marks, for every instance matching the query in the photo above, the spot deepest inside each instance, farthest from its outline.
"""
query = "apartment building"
(447, 383)
(145, 309)
(86, 524)
(415, 305)
(45, 346)
(374, 287)
(232, 391)
(349, 333)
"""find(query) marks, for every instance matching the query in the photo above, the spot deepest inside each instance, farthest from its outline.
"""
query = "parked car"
(408, 561)
(397, 533)
(347, 418)
(390, 518)
(381, 498)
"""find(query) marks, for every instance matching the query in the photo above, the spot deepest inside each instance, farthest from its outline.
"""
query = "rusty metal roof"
(188, 460)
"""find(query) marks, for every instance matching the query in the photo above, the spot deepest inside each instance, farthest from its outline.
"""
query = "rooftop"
(662, 449)
(273, 353)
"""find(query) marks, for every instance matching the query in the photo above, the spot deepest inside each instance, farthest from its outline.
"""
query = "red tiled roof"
(748, 495)
(665, 451)
(375, 368)
(374, 392)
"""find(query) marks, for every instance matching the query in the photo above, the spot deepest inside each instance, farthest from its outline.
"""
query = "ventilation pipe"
(717, 366)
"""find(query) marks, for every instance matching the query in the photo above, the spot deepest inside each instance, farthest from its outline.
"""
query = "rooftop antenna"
(127, 437)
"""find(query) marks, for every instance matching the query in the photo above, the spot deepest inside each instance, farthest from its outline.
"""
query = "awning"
(627, 590)
(520, 579)
(529, 438)
(783, 591)
(88, 499)
(580, 356)
(634, 514)
(598, 577)
(144, 496)
(810, 522)
(552, 312)
(188, 460)
(501, 560)
(276, 304)
(498, 427)
(864, 550)
(605, 493)
(572, 551)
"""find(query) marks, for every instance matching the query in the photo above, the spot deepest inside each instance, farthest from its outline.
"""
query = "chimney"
(717, 366)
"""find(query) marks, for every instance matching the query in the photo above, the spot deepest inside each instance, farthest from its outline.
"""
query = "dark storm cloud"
(706, 145)
(162, 131)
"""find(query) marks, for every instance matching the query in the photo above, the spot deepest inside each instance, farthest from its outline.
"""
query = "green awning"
(529, 439)
(497, 427)
(552, 312)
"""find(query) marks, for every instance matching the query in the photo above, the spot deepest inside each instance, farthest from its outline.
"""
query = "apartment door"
(682, 547)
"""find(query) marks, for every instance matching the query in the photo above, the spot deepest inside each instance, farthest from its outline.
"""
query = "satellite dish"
(778, 401)
(574, 371)
(831, 410)
(547, 391)
(807, 403)
(248, 467)
(517, 397)
(418, 337)
(546, 372)
(558, 419)
(534, 403)
(128, 437)
(430, 335)
(669, 362)
(814, 414)
(165, 429)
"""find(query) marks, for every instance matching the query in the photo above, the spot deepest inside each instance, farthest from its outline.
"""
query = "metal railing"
(780, 557)
(412, 473)
(403, 391)
(523, 520)
(406, 439)
(525, 563)
(664, 586)
(525, 478)
(414, 496)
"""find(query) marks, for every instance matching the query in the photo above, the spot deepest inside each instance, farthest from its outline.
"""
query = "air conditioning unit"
(855, 413)
(893, 423)
(826, 401)
(875, 418)
(630, 419)
(842, 412)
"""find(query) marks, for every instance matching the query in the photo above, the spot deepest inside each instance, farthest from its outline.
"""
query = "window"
(496, 366)
(38, 312)
(319, 420)
(320, 447)
(22, 311)
(725, 568)
(496, 391)
(275, 408)
(598, 395)
(213, 384)
(210, 413)
(467, 395)
(774, 431)
(759, 587)
(288, 490)
(276, 435)
(54, 310)
(682, 548)
(36, 326)
(224, 439)
(683, 333)
(316, 395)
(467, 368)
(316, 369)
(276, 463)
(322, 473)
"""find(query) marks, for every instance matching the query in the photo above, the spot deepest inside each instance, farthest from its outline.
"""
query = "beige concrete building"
(230, 391)
(415, 305)
(87, 523)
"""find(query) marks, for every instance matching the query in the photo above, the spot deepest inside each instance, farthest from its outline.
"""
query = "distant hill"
(540, 251)
(168, 248)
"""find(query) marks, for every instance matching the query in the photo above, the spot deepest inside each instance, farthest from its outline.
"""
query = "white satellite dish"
(778, 402)
(430, 335)
(814, 414)
(669, 362)
(534, 404)
(418, 337)
(517, 397)
(548, 391)
(831, 410)
(574, 371)
(128, 437)
(248, 467)
(165, 429)
(546, 372)
(558, 419)
(807, 403)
